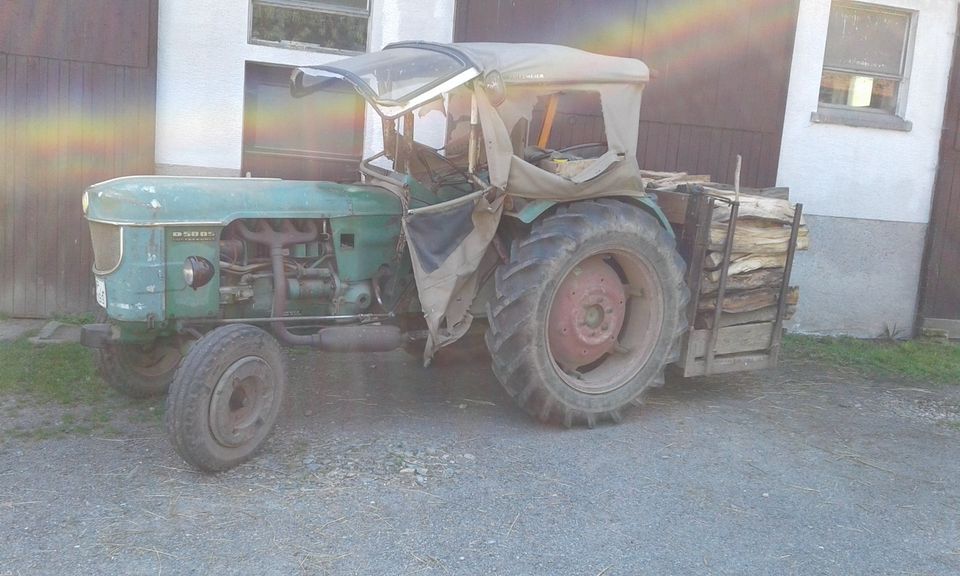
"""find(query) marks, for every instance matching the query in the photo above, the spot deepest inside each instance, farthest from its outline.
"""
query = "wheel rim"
(241, 402)
(152, 361)
(604, 321)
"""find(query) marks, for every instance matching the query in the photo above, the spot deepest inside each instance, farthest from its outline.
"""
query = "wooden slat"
(728, 364)
(107, 31)
(21, 241)
(72, 140)
(768, 314)
(7, 155)
(48, 240)
(733, 339)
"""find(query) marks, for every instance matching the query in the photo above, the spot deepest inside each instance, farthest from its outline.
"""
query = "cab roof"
(406, 74)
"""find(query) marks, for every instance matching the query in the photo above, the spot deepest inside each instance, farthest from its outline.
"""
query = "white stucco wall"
(202, 49)
(867, 173)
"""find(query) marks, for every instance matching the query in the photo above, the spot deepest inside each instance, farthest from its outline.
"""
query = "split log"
(671, 179)
(742, 263)
(749, 300)
(674, 204)
(754, 207)
(778, 192)
(758, 237)
(768, 314)
(748, 281)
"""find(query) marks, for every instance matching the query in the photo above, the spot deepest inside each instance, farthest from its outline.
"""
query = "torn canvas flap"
(447, 242)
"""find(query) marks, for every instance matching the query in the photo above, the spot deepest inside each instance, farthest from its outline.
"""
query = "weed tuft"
(933, 362)
(75, 319)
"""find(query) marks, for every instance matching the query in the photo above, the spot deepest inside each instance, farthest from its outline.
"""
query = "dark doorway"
(317, 137)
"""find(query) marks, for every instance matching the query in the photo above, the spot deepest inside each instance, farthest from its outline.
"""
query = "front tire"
(138, 371)
(226, 396)
(588, 312)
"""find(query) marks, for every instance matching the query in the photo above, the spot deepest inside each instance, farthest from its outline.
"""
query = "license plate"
(101, 292)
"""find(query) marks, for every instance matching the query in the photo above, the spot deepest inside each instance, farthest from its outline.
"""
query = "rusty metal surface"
(587, 314)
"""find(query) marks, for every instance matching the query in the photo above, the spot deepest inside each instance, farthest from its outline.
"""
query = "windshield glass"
(397, 75)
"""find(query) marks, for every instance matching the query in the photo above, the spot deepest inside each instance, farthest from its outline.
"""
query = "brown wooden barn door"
(722, 71)
(77, 106)
(940, 292)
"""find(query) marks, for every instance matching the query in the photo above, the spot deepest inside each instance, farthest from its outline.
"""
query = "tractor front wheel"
(588, 312)
(139, 370)
(226, 397)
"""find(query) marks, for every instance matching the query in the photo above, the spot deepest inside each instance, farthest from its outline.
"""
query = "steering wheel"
(455, 176)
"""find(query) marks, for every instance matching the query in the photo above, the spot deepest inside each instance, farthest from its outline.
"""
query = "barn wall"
(869, 188)
(77, 85)
(721, 71)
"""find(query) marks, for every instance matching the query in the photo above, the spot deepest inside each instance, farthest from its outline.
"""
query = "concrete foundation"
(859, 277)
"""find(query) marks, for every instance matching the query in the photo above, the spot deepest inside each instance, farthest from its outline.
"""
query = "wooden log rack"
(720, 347)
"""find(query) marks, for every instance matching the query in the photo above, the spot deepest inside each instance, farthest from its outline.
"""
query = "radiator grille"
(107, 246)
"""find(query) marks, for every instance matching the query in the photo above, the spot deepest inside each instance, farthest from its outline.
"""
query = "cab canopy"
(503, 85)
(507, 79)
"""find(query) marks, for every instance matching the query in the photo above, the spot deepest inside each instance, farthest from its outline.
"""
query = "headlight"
(197, 271)
(85, 202)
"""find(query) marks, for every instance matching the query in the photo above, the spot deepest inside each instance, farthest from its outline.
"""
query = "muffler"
(360, 339)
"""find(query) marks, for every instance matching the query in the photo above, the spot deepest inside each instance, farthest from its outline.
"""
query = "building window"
(316, 137)
(339, 25)
(865, 66)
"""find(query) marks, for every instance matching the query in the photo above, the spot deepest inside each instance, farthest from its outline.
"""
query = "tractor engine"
(254, 252)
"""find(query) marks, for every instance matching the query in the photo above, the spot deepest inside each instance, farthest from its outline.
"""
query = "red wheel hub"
(587, 314)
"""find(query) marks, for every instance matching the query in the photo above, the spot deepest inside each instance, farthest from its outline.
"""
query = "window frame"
(318, 6)
(829, 113)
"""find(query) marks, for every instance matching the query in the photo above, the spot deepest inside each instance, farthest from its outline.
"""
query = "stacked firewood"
(759, 253)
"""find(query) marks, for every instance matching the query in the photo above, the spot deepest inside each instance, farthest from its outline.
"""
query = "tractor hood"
(175, 200)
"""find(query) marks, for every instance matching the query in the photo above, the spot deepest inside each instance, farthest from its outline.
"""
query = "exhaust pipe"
(360, 339)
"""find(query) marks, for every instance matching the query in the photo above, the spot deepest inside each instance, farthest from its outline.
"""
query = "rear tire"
(226, 396)
(588, 312)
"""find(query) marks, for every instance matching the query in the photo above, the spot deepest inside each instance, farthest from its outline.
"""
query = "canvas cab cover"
(448, 241)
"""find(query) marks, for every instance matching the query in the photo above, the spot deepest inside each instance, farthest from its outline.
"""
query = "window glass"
(864, 63)
(399, 73)
(338, 24)
(859, 91)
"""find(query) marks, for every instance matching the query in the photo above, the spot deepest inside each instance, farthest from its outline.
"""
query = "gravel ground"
(383, 467)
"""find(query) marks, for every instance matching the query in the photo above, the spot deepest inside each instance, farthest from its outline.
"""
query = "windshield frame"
(391, 109)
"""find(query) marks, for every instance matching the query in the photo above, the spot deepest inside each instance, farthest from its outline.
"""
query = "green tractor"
(573, 267)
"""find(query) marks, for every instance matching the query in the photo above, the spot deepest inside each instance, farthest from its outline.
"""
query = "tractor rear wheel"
(588, 312)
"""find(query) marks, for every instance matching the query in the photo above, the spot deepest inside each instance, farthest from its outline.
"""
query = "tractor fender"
(533, 210)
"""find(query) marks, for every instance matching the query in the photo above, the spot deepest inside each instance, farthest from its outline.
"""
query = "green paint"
(182, 301)
(154, 200)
